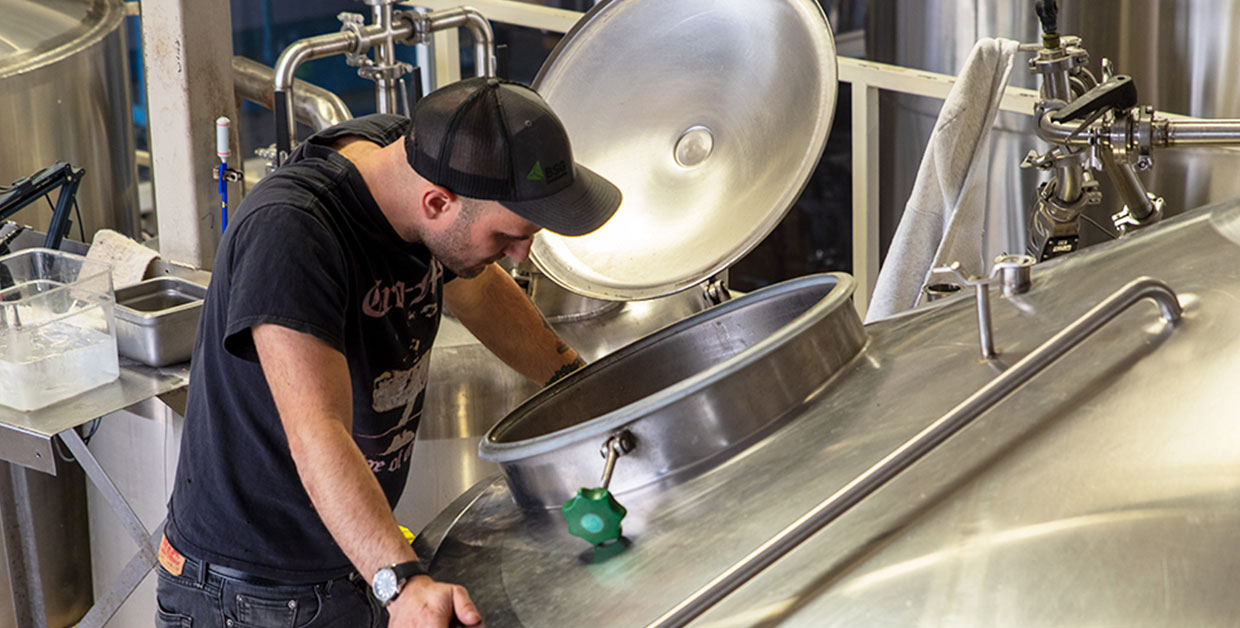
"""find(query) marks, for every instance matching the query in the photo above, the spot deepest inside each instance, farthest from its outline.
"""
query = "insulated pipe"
(313, 106)
(923, 443)
(479, 28)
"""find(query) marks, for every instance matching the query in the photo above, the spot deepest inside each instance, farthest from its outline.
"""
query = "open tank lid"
(710, 115)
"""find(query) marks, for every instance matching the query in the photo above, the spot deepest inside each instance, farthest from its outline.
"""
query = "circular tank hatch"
(684, 395)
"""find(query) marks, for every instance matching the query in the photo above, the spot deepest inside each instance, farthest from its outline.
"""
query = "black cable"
(78, 210)
(94, 427)
(1099, 227)
(68, 457)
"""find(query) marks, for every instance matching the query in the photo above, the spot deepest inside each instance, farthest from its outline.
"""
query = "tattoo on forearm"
(561, 347)
(565, 370)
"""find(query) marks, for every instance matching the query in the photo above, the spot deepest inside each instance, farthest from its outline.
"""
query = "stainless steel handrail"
(924, 442)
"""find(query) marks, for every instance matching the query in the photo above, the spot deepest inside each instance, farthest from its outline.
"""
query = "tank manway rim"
(684, 397)
(72, 33)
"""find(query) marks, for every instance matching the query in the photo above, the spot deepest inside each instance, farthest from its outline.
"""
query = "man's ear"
(437, 202)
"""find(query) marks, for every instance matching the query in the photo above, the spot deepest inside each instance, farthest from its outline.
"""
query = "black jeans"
(203, 597)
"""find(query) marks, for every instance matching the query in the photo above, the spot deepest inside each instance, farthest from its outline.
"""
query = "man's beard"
(452, 250)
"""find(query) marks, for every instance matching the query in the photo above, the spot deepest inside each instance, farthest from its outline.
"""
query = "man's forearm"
(310, 384)
(347, 497)
(498, 313)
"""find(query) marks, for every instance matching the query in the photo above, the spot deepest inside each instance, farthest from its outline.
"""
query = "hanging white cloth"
(945, 217)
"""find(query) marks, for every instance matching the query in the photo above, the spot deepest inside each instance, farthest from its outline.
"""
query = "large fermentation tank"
(1104, 490)
(1182, 55)
(64, 96)
(1097, 490)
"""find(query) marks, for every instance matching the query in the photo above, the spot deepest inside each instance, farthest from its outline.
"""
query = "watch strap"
(408, 569)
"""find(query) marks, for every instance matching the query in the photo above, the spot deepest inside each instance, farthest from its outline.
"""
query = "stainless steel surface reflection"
(675, 391)
(64, 94)
(470, 390)
(710, 116)
(1105, 491)
(1182, 54)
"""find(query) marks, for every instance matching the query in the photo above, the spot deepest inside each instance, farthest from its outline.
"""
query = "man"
(310, 363)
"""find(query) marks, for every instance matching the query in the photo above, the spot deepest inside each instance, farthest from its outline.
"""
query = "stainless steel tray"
(156, 320)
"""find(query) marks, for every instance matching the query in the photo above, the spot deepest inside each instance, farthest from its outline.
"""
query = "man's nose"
(519, 250)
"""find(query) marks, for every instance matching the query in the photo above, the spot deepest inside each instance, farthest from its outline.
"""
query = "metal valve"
(1013, 272)
(593, 514)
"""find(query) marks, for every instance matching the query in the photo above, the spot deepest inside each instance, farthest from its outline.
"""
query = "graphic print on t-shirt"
(399, 389)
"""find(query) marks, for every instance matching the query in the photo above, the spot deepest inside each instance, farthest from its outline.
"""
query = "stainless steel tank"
(470, 390)
(711, 126)
(1181, 53)
(1103, 490)
(64, 96)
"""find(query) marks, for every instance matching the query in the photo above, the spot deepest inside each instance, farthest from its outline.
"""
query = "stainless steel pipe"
(385, 54)
(313, 106)
(297, 53)
(1175, 132)
(383, 36)
(924, 442)
(1129, 186)
(1203, 132)
(478, 27)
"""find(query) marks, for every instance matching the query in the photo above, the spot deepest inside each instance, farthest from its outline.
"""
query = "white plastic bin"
(57, 327)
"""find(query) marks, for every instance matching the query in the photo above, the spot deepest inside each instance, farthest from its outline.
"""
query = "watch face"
(385, 586)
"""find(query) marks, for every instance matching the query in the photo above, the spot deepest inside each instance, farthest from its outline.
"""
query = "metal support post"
(187, 49)
(446, 55)
(865, 234)
(138, 566)
(17, 520)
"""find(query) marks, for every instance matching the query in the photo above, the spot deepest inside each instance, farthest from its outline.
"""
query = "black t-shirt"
(310, 250)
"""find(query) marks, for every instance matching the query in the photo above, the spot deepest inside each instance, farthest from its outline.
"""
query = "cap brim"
(576, 210)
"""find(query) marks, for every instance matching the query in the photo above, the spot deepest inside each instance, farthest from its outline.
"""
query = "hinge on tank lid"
(1013, 274)
(716, 289)
(523, 274)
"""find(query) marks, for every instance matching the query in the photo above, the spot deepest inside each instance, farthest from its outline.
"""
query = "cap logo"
(554, 172)
(536, 173)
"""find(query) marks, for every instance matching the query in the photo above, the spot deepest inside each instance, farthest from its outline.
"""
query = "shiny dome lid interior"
(709, 115)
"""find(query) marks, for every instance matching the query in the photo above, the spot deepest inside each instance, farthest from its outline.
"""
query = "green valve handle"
(593, 514)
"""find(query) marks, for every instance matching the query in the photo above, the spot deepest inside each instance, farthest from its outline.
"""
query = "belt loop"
(200, 578)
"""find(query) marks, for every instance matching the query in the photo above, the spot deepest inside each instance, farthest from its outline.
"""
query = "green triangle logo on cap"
(536, 173)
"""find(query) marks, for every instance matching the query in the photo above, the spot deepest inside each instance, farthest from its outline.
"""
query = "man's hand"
(425, 603)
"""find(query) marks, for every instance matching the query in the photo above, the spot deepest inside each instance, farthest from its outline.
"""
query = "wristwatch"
(389, 580)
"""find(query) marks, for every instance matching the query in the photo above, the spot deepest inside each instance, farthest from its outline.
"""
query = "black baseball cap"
(491, 139)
